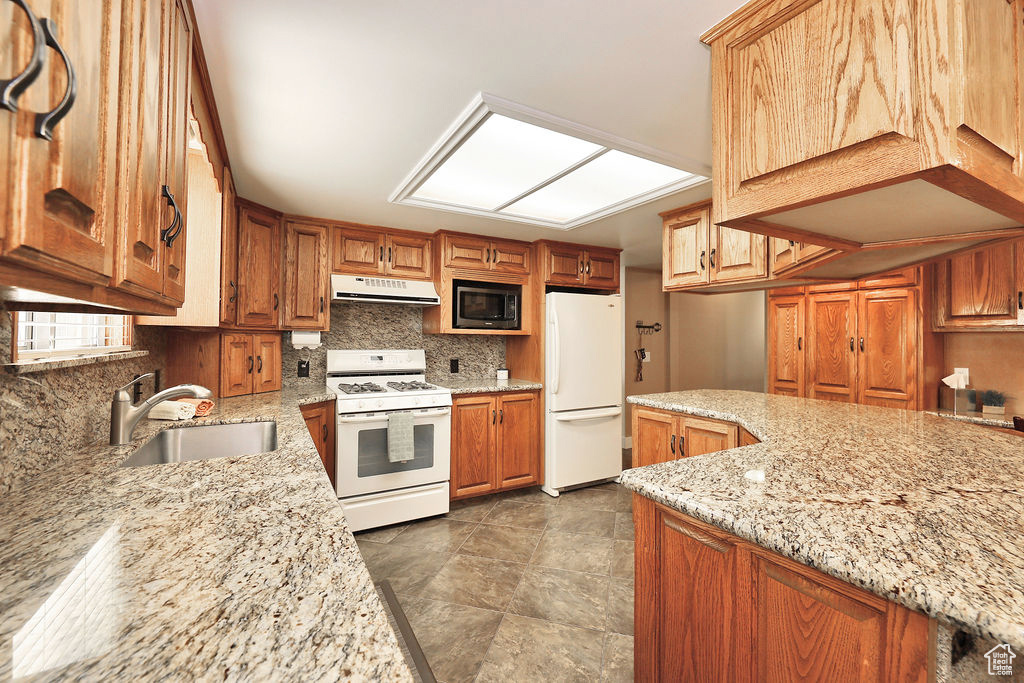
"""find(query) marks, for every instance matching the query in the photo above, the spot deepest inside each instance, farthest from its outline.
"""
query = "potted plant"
(993, 402)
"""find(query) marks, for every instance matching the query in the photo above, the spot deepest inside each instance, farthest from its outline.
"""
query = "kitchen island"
(872, 533)
(239, 568)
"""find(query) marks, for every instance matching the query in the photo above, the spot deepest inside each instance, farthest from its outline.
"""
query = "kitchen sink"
(182, 444)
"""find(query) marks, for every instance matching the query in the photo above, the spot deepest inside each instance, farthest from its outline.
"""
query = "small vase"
(993, 410)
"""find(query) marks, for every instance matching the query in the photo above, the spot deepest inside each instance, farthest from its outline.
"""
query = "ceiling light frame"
(482, 106)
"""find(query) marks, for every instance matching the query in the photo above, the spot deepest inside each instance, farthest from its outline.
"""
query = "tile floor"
(517, 586)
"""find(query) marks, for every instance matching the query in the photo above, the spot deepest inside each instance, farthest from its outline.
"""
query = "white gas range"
(374, 488)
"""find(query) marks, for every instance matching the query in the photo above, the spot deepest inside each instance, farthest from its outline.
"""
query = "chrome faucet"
(125, 415)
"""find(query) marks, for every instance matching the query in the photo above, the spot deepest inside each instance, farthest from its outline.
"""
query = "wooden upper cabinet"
(786, 345)
(267, 350)
(518, 444)
(981, 289)
(473, 439)
(782, 254)
(228, 251)
(237, 364)
(358, 251)
(684, 250)
(563, 264)
(577, 265)
(511, 257)
(61, 215)
(832, 101)
(409, 256)
(831, 346)
(259, 275)
(306, 286)
(601, 269)
(887, 345)
(736, 255)
(469, 252)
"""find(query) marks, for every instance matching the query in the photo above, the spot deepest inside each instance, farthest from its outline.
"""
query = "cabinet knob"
(46, 122)
(12, 88)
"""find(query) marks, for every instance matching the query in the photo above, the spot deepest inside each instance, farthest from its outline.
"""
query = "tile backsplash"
(392, 326)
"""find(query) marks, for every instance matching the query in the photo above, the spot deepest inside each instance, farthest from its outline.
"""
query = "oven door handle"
(356, 419)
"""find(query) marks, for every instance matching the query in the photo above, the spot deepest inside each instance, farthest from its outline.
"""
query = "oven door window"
(372, 451)
(481, 305)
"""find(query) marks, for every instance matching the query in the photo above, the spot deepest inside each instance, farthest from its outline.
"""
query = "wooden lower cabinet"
(319, 419)
(495, 443)
(710, 606)
(661, 435)
(249, 363)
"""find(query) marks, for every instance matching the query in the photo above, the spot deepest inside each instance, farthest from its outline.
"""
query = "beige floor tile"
(531, 650)
(532, 495)
(445, 535)
(561, 596)
(383, 534)
(592, 498)
(618, 658)
(582, 521)
(502, 543)
(619, 610)
(575, 552)
(471, 509)
(407, 570)
(622, 559)
(454, 638)
(523, 515)
(625, 500)
(624, 526)
(475, 581)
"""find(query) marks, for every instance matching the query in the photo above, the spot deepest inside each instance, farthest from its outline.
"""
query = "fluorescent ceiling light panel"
(609, 179)
(503, 160)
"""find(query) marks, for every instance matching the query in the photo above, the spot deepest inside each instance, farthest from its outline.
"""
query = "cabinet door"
(236, 364)
(409, 256)
(259, 251)
(887, 348)
(981, 289)
(654, 437)
(831, 344)
(474, 421)
(786, 345)
(462, 251)
(228, 252)
(563, 265)
(805, 623)
(267, 348)
(306, 296)
(518, 444)
(736, 255)
(319, 420)
(62, 214)
(179, 71)
(805, 252)
(684, 250)
(358, 251)
(698, 436)
(698, 588)
(143, 210)
(510, 257)
(601, 269)
(783, 254)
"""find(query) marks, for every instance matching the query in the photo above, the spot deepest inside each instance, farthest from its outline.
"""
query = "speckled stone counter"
(987, 420)
(921, 510)
(236, 568)
(487, 385)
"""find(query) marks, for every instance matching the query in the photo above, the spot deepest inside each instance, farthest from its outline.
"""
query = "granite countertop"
(236, 568)
(986, 419)
(486, 385)
(910, 506)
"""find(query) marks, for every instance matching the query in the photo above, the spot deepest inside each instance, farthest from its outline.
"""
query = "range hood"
(383, 290)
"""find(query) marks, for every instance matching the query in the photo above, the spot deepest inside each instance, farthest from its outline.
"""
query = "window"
(502, 160)
(65, 335)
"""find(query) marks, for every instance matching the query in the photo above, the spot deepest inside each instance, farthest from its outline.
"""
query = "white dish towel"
(400, 437)
(173, 410)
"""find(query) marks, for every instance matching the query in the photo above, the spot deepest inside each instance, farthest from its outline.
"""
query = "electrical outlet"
(453, 365)
(965, 372)
(303, 370)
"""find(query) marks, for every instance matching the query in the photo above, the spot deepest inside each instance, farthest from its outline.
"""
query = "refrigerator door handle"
(596, 414)
(556, 369)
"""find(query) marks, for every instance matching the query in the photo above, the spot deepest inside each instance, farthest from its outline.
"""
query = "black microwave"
(481, 306)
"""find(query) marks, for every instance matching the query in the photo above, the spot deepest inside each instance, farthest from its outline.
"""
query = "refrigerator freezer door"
(582, 446)
(584, 351)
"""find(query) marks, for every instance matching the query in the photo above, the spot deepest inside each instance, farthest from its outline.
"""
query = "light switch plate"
(965, 372)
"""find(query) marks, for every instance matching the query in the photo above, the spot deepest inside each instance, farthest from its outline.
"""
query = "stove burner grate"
(364, 388)
(411, 386)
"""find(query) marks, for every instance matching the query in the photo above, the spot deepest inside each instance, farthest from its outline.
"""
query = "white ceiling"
(327, 106)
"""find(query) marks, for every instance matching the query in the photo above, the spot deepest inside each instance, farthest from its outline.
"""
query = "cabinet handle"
(862, 343)
(259, 364)
(166, 193)
(501, 416)
(494, 256)
(177, 231)
(382, 254)
(45, 123)
(702, 253)
(851, 343)
(250, 365)
(588, 267)
(324, 428)
(1020, 301)
(321, 304)
(234, 291)
(799, 343)
(389, 254)
(709, 541)
(713, 257)
(672, 444)
(277, 301)
(792, 243)
(494, 416)
(11, 89)
(487, 257)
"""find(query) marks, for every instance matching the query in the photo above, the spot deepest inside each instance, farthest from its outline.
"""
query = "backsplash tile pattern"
(47, 416)
(391, 326)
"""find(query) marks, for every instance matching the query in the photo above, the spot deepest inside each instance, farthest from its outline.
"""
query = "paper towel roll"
(305, 340)
(956, 381)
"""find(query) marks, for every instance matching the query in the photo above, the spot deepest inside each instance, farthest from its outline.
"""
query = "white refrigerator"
(583, 389)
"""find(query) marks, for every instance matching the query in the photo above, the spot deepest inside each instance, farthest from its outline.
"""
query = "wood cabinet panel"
(474, 419)
(563, 265)
(887, 344)
(464, 251)
(319, 419)
(259, 256)
(267, 348)
(601, 269)
(699, 436)
(229, 251)
(357, 251)
(409, 256)
(511, 257)
(306, 286)
(831, 346)
(737, 255)
(237, 364)
(907, 277)
(981, 289)
(518, 444)
(684, 249)
(786, 345)
(783, 254)
(654, 436)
